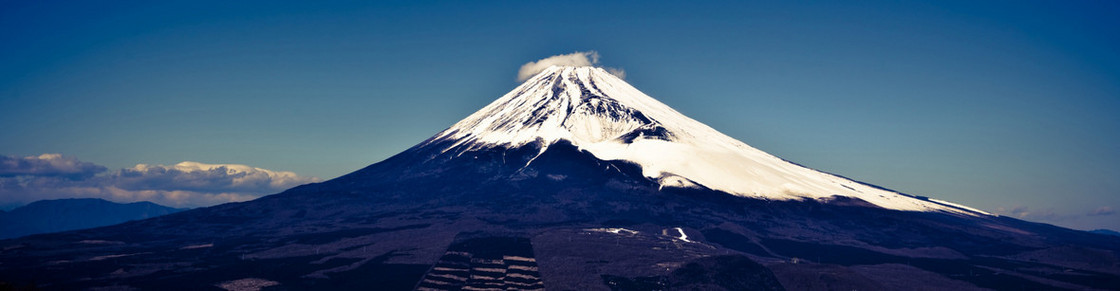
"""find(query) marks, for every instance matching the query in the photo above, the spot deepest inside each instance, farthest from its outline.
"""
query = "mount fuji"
(599, 113)
(574, 180)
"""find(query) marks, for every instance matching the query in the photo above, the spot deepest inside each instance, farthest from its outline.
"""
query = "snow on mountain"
(603, 115)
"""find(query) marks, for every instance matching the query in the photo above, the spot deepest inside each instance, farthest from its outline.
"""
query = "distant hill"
(68, 214)
(1105, 232)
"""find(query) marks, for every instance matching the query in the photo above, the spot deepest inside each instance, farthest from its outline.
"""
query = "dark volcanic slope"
(415, 220)
(506, 199)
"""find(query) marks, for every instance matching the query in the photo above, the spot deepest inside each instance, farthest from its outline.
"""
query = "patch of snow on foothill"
(613, 230)
(683, 237)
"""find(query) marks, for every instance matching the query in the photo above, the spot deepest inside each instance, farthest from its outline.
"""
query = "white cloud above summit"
(576, 59)
(186, 184)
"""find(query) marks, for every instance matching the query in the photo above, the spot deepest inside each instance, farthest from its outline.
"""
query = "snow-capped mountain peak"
(605, 116)
(580, 104)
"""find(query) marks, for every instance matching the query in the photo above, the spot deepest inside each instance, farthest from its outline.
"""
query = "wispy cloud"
(1102, 211)
(186, 184)
(1091, 218)
(576, 59)
(620, 73)
(1026, 213)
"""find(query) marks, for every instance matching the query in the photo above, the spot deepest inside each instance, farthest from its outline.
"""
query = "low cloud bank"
(52, 165)
(187, 184)
(576, 59)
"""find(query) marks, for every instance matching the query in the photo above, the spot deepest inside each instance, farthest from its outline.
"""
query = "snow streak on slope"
(605, 116)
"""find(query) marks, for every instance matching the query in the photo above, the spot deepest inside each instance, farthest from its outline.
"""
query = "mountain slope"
(1105, 232)
(68, 214)
(523, 195)
(600, 113)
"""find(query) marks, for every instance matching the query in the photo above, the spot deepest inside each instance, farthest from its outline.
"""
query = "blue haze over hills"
(69, 214)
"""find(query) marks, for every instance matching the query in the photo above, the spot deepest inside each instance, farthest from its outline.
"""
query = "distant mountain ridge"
(45, 216)
(1105, 232)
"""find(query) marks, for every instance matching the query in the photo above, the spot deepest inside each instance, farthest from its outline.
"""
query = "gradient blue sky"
(1008, 106)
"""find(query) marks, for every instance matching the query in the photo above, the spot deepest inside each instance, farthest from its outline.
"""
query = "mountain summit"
(599, 113)
(573, 181)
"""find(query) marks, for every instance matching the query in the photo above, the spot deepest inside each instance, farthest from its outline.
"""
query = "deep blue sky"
(1011, 107)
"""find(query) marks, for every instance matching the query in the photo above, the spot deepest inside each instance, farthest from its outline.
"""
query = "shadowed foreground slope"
(574, 181)
(390, 224)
